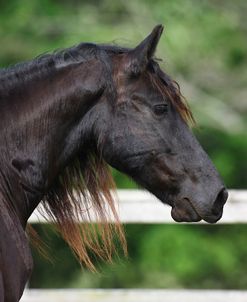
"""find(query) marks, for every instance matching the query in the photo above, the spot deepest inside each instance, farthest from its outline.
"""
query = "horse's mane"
(86, 182)
(84, 187)
(85, 51)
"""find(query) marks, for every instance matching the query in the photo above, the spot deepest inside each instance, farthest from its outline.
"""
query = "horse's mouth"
(185, 212)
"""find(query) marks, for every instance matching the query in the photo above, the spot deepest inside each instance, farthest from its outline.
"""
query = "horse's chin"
(184, 212)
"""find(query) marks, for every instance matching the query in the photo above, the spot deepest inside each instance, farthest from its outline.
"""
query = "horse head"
(146, 136)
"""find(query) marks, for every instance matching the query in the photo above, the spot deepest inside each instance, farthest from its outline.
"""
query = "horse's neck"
(24, 143)
(48, 111)
(13, 198)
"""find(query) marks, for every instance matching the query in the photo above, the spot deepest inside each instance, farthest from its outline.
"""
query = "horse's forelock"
(170, 89)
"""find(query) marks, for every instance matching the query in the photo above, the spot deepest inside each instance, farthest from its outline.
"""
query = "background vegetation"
(205, 49)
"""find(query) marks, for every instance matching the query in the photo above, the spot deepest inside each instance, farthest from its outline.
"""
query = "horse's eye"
(160, 109)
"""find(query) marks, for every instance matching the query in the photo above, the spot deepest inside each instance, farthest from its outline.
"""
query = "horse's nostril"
(220, 201)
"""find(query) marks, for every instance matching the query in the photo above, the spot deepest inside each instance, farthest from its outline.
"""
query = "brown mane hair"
(84, 188)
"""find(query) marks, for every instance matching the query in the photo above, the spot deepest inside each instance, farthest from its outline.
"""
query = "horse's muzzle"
(186, 210)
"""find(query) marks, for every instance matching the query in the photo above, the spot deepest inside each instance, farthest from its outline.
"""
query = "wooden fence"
(136, 206)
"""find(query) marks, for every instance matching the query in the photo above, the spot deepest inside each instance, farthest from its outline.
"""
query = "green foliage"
(229, 154)
(205, 50)
(61, 265)
(160, 256)
(123, 181)
(191, 254)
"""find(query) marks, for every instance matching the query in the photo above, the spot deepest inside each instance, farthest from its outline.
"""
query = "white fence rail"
(134, 295)
(136, 206)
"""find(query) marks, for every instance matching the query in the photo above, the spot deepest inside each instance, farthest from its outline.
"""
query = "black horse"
(66, 115)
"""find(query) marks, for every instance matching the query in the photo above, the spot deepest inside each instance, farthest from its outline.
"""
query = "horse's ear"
(140, 56)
